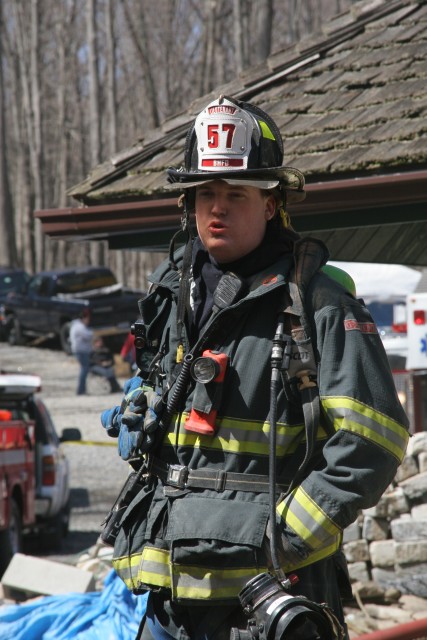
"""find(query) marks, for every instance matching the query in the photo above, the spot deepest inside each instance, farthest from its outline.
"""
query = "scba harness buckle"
(177, 476)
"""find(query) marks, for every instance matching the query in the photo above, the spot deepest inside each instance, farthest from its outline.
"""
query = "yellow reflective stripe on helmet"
(352, 415)
(308, 520)
(238, 436)
(266, 131)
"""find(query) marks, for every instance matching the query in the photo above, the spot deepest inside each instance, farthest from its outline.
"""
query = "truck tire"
(64, 338)
(11, 538)
(14, 335)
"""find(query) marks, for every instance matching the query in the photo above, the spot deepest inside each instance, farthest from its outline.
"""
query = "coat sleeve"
(370, 429)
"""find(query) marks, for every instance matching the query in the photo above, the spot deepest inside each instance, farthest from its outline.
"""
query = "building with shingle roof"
(351, 104)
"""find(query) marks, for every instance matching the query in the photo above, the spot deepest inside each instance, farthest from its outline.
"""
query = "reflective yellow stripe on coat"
(238, 436)
(352, 415)
(300, 512)
(311, 524)
(154, 567)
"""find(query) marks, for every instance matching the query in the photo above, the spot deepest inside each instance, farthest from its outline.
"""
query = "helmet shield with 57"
(239, 143)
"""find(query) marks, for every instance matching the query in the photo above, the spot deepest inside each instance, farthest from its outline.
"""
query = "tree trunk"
(264, 15)
(97, 248)
(140, 40)
(110, 55)
(7, 237)
(36, 152)
(238, 35)
(27, 138)
(111, 77)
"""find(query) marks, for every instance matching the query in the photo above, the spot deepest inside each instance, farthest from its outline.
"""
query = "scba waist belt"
(182, 477)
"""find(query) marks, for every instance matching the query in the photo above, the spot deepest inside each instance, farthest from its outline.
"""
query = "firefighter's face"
(231, 220)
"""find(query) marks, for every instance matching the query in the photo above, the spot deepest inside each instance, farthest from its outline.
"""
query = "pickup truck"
(34, 471)
(46, 305)
(11, 279)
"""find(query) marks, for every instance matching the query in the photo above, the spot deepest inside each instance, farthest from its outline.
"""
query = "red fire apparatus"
(17, 468)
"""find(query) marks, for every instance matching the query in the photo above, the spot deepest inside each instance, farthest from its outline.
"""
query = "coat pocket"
(137, 523)
(215, 547)
(209, 530)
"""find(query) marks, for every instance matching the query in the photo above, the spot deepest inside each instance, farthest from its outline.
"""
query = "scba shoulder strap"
(310, 255)
(300, 378)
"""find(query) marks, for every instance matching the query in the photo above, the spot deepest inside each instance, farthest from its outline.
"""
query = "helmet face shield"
(239, 143)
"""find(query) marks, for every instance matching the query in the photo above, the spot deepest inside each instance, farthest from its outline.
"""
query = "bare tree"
(82, 79)
(97, 248)
(27, 147)
(92, 63)
(110, 55)
(264, 22)
(36, 155)
(140, 40)
(239, 45)
(7, 238)
(208, 70)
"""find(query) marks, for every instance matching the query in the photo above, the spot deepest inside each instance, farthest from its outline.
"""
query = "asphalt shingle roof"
(351, 105)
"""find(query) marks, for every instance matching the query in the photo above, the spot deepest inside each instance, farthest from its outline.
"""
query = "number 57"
(214, 133)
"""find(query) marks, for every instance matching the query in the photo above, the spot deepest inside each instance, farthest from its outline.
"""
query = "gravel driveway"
(97, 472)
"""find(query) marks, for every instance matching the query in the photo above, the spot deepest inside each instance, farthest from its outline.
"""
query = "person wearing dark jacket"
(241, 388)
(102, 363)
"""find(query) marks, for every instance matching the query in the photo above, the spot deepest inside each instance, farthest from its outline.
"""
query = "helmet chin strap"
(282, 211)
(184, 284)
(185, 229)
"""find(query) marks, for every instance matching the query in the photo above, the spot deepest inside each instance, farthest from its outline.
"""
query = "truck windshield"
(77, 282)
(13, 281)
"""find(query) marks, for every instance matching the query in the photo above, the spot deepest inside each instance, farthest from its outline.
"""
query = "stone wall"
(388, 543)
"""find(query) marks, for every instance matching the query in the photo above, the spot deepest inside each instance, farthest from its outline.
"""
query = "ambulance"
(405, 342)
(416, 362)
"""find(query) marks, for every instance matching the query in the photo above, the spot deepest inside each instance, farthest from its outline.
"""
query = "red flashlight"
(207, 370)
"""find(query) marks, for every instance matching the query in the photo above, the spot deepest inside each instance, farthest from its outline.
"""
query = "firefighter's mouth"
(216, 227)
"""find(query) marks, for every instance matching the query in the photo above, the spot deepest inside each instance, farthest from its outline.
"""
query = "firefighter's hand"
(136, 420)
(287, 550)
(111, 418)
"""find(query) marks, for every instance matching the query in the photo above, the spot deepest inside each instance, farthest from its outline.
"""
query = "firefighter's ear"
(270, 207)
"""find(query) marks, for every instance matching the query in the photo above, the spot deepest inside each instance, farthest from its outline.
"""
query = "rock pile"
(386, 549)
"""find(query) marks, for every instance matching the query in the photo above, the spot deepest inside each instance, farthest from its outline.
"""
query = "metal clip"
(177, 476)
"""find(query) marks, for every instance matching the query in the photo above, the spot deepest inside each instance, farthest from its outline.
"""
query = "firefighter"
(199, 412)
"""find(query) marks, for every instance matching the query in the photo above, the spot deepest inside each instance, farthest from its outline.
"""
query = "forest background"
(83, 79)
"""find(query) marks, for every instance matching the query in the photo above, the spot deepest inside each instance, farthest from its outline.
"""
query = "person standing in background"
(81, 338)
(102, 363)
(128, 352)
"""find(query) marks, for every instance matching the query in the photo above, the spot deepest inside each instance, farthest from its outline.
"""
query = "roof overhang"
(333, 210)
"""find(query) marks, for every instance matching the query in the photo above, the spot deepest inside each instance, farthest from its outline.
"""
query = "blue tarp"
(111, 614)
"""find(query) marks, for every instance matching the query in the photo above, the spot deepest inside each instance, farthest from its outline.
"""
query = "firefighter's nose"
(219, 206)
